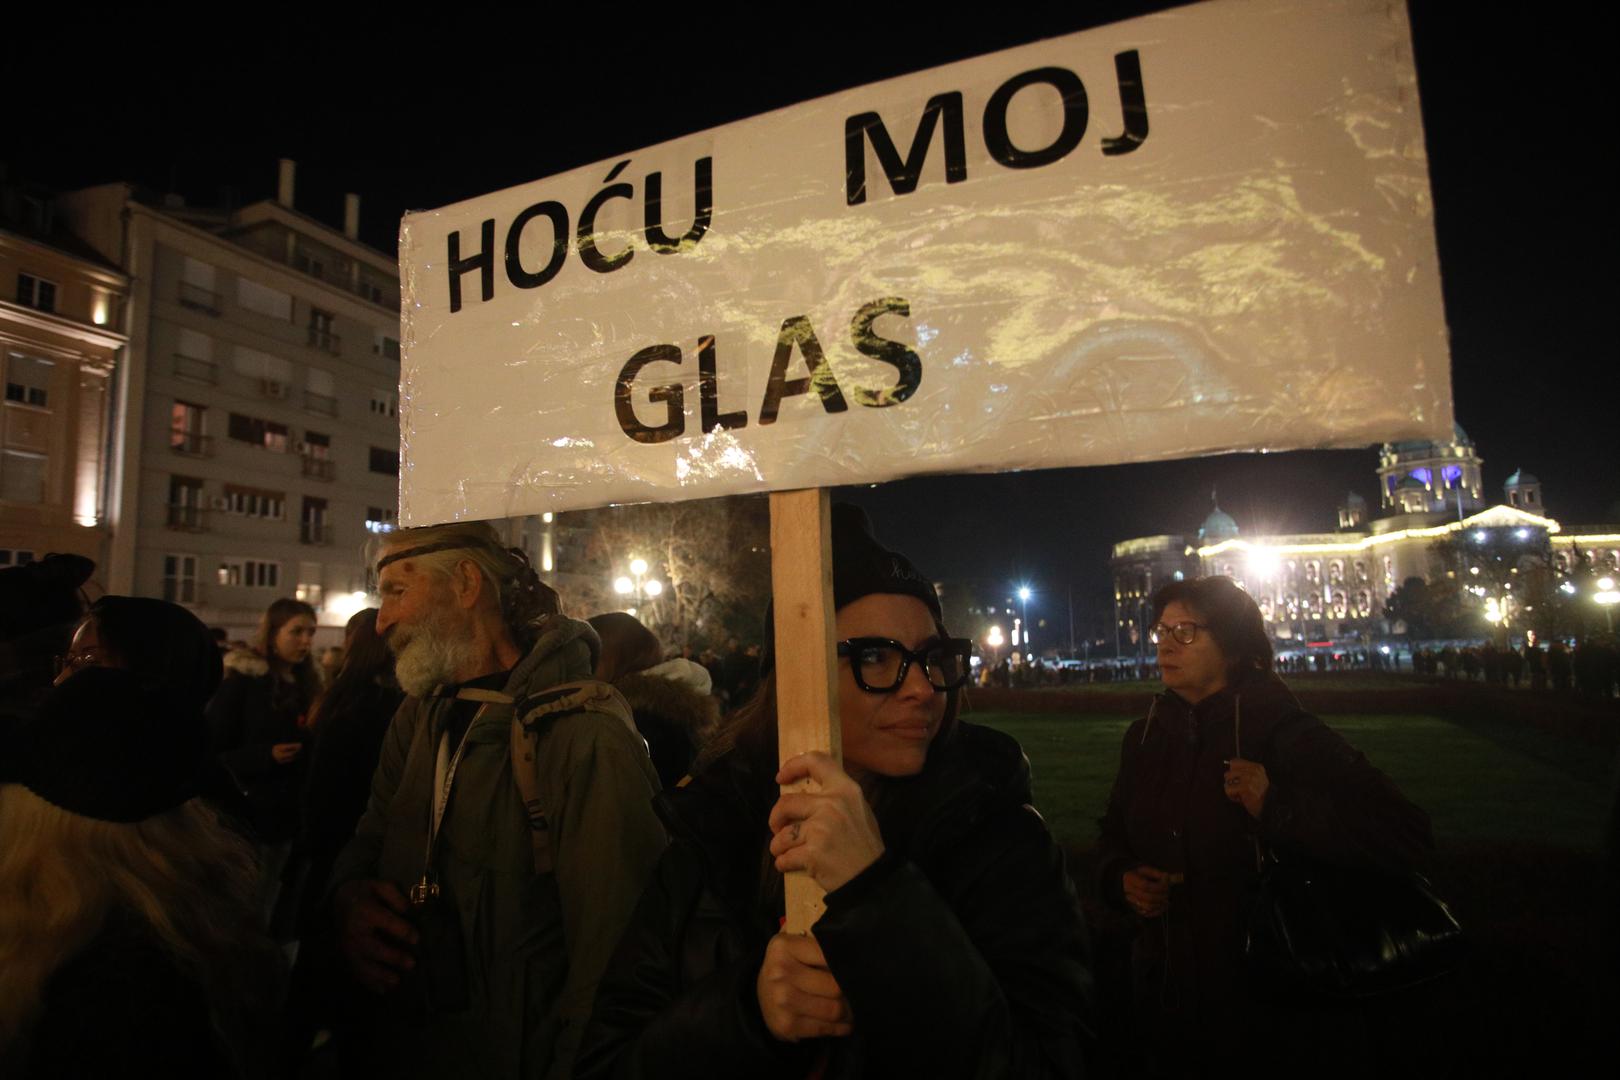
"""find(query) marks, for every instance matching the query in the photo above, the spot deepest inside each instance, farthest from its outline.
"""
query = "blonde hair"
(183, 874)
(524, 600)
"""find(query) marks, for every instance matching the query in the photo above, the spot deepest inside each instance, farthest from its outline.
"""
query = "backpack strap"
(532, 718)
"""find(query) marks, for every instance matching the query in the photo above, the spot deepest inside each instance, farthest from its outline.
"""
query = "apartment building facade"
(257, 449)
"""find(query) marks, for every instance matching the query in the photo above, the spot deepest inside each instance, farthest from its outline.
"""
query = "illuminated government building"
(1332, 586)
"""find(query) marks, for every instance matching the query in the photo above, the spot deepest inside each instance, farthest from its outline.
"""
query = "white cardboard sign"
(1200, 231)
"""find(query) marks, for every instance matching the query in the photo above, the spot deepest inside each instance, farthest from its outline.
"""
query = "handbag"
(1329, 931)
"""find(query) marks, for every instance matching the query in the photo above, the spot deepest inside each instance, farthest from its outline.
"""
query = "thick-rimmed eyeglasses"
(1184, 632)
(880, 664)
(70, 662)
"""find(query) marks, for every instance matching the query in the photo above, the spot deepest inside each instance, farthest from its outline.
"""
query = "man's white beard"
(430, 655)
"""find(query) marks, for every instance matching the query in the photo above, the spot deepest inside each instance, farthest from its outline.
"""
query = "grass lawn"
(1474, 788)
(1332, 680)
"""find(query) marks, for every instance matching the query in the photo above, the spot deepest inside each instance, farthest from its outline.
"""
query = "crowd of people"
(483, 838)
(1591, 668)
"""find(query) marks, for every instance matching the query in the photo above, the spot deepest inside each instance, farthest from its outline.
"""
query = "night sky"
(1513, 108)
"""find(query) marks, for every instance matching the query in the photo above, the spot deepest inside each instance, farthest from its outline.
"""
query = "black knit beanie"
(861, 567)
(104, 747)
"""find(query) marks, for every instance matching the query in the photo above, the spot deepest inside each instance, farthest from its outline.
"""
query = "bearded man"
(496, 864)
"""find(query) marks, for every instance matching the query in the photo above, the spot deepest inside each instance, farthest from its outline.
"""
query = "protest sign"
(1199, 231)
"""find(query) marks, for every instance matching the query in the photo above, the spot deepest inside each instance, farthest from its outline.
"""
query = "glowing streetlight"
(994, 638)
(637, 585)
(1607, 598)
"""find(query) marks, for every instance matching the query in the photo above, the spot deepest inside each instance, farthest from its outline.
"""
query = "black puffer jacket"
(962, 951)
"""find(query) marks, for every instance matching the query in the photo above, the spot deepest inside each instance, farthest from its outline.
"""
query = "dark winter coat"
(673, 717)
(1169, 810)
(342, 763)
(962, 951)
(250, 714)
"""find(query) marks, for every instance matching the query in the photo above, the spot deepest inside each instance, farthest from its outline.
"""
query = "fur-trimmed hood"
(675, 703)
(246, 662)
(675, 720)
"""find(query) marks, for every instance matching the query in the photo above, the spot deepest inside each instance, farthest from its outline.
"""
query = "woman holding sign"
(952, 942)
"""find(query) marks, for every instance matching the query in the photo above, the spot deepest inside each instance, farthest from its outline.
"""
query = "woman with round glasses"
(1224, 763)
(952, 942)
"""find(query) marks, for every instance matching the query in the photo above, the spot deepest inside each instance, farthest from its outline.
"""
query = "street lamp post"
(1071, 620)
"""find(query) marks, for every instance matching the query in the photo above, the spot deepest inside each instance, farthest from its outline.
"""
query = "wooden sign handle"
(806, 669)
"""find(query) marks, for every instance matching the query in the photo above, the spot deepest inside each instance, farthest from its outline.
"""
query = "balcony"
(198, 298)
(183, 517)
(315, 533)
(326, 341)
(317, 468)
(189, 367)
(324, 404)
(191, 443)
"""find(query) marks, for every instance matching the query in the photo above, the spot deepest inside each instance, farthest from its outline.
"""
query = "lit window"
(253, 573)
(379, 519)
(257, 432)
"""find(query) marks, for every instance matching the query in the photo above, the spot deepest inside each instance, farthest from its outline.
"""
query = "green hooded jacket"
(534, 944)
